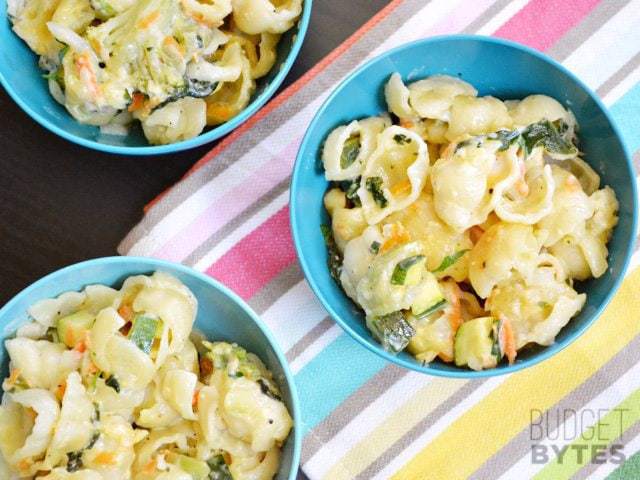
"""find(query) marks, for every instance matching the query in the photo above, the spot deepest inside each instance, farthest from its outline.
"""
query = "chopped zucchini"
(219, 469)
(429, 299)
(474, 344)
(198, 469)
(234, 360)
(350, 151)
(393, 331)
(408, 271)
(72, 328)
(143, 332)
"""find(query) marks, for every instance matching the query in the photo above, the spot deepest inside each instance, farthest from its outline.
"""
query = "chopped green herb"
(402, 269)
(401, 139)
(334, 260)
(375, 247)
(112, 382)
(431, 310)
(546, 134)
(374, 186)
(449, 260)
(392, 331)
(350, 151)
(219, 469)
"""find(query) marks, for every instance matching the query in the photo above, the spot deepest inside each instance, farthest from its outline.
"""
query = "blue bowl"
(495, 67)
(222, 315)
(22, 79)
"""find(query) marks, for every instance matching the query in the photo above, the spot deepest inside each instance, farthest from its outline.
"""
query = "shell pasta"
(176, 66)
(460, 223)
(113, 384)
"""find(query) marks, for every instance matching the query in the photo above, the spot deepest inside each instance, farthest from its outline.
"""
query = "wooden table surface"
(61, 203)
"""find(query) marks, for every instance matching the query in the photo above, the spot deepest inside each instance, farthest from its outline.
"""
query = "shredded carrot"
(137, 102)
(150, 467)
(13, 376)
(147, 21)
(219, 112)
(105, 458)
(195, 399)
(398, 236)
(81, 346)
(475, 233)
(171, 42)
(507, 340)
(445, 358)
(83, 63)
(400, 188)
(404, 123)
(24, 464)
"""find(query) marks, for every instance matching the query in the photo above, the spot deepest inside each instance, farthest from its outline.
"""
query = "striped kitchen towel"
(576, 415)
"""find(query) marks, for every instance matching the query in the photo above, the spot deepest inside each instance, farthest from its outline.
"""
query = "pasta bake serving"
(113, 384)
(174, 65)
(460, 223)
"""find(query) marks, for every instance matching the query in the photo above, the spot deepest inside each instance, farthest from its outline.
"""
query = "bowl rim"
(157, 264)
(215, 133)
(546, 352)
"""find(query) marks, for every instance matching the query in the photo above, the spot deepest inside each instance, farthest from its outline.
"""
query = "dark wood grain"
(61, 203)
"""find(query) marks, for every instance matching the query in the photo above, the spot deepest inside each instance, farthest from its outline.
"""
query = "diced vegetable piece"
(198, 469)
(72, 328)
(219, 469)
(430, 299)
(143, 332)
(474, 344)
(234, 360)
(350, 151)
(393, 331)
(449, 260)
(408, 271)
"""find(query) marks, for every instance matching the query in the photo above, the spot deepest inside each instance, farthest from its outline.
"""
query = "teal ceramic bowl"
(222, 315)
(495, 67)
(22, 79)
